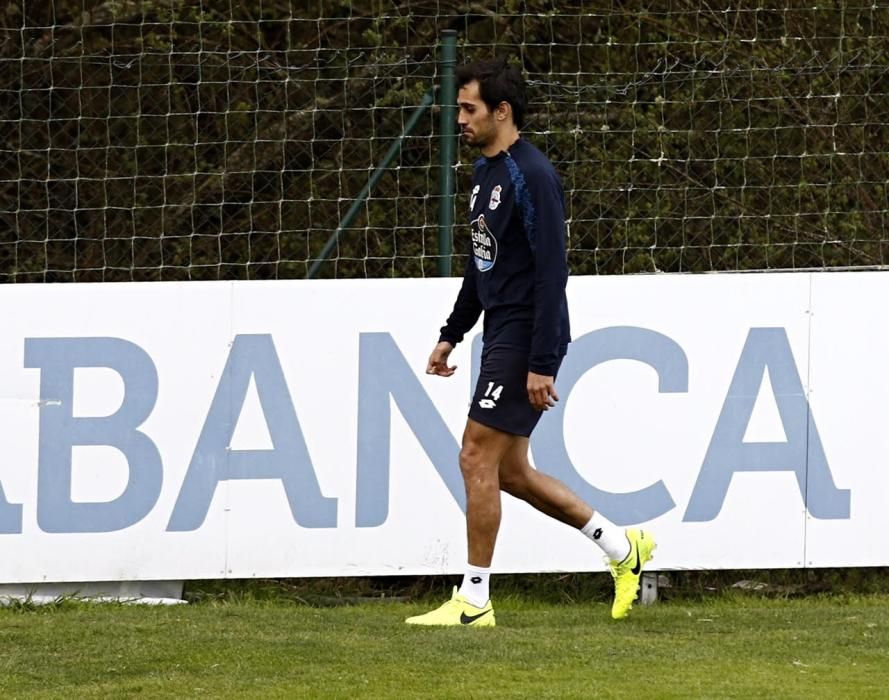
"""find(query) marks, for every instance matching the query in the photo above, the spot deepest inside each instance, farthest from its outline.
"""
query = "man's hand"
(542, 391)
(438, 360)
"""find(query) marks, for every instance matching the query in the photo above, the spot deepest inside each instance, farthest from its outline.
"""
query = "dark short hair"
(498, 81)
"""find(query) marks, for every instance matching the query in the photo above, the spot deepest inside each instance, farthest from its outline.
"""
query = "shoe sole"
(492, 623)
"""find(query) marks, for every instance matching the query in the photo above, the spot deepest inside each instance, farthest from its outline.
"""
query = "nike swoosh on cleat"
(469, 619)
(636, 570)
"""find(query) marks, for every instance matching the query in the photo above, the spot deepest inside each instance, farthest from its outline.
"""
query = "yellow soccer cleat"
(626, 573)
(457, 611)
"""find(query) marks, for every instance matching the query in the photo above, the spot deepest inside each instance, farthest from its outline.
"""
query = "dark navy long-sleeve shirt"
(517, 268)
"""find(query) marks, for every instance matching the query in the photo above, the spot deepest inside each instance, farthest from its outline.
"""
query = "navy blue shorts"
(501, 395)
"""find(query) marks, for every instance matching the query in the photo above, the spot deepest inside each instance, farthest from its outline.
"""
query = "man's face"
(475, 119)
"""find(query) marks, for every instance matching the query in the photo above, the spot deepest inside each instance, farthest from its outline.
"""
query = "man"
(516, 274)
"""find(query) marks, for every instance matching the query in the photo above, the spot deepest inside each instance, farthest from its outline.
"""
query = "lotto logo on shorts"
(492, 396)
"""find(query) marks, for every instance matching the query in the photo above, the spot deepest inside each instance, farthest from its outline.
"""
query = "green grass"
(244, 646)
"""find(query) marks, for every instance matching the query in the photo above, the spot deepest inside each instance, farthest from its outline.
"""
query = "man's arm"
(467, 308)
(550, 271)
(466, 311)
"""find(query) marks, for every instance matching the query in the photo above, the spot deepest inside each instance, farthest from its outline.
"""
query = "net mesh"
(184, 139)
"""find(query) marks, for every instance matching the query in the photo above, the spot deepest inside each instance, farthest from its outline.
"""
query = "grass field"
(733, 646)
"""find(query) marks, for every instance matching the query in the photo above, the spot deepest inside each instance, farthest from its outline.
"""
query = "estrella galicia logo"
(484, 245)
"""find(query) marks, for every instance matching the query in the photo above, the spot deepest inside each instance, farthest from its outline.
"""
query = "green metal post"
(448, 132)
(393, 151)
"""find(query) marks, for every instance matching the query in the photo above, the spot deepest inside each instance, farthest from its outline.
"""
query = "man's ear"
(503, 111)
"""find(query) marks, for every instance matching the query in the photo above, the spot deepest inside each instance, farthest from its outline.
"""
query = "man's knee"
(479, 461)
(481, 453)
(471, 459)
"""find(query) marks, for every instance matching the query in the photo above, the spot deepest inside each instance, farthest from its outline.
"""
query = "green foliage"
(173, 139)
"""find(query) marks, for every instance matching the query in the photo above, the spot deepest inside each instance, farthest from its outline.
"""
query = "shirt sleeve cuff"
(448, 338)
(546, 368)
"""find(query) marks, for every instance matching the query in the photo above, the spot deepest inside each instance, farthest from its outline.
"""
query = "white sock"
(611, 538)
(475, 585)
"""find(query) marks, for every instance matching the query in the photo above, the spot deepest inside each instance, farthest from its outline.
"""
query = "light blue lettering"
(384, 372)
(10, 516)
(658, 351)
(801, 454)
(60, 431)
(213, 460)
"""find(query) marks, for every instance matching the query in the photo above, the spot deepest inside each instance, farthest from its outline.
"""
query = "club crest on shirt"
(473, 197)
(494, 202)
(484, 245)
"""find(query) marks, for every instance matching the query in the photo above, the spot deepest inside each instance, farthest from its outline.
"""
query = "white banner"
(210, 430)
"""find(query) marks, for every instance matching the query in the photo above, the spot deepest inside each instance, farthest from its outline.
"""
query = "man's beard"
(476, 140)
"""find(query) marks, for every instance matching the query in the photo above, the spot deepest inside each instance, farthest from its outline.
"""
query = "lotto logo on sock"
(597, 533)
(476, 579)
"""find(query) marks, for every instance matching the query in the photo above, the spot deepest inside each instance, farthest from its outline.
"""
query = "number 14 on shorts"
(492, 395)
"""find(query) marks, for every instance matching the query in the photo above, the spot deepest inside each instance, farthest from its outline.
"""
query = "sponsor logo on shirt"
(495, 197)
(473, 197)
(484, 245)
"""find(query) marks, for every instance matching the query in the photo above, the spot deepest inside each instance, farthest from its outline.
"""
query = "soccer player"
(516, 274)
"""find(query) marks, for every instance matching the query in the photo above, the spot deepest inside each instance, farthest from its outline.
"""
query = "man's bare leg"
(550, 496)
(545, 493)
(483, 449)
(480, 457)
